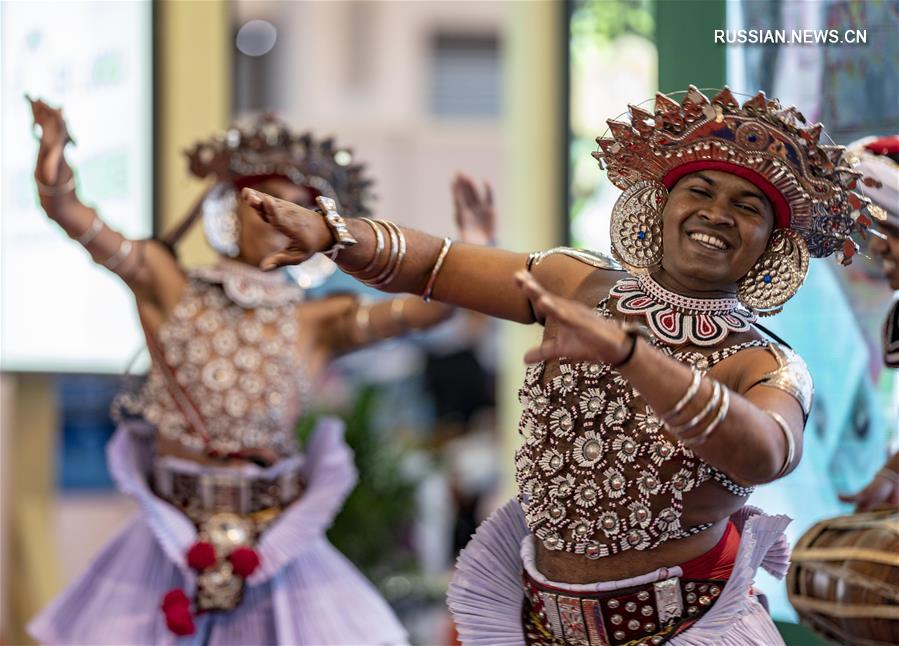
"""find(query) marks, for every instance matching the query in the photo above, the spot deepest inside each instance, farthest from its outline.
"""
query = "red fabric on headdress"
(778, 201)
(888, 145)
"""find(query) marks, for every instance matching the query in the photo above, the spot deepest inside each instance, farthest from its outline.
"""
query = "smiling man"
(653, 406)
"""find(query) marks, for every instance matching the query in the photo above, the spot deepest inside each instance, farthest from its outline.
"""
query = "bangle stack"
(379, 272)
(698, 429)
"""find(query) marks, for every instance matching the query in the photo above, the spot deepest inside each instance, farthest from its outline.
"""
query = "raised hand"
(474, 213)
(54, 137)
(581, 335)
(305, 230)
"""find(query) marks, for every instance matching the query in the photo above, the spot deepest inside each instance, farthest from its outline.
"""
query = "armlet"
(791, 376)
(592, 258)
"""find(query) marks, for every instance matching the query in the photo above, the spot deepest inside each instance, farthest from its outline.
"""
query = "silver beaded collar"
(677, 319)
(250, 287)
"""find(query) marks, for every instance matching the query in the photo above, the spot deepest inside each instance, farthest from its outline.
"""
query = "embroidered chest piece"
(596, 475)
(231, 344)
(678, 319)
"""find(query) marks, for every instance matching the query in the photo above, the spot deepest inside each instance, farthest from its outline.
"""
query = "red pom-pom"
(179, 620)
(244, 560)
(175, 597)
(201, 555)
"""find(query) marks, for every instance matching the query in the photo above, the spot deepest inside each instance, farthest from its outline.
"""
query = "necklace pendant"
(677, 319)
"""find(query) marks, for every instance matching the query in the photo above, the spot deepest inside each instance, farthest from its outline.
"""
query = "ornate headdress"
(263, 149)
(812, 186)
(267, 148)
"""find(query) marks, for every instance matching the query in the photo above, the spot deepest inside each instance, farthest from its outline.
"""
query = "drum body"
(844, 578)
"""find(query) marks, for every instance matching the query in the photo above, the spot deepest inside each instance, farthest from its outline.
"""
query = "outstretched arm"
(398, 259)
(740, 435)
(143, 265)
(368, 322)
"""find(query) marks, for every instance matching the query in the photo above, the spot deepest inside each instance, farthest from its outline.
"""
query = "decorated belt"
(230, 508)
(647, 614)
(200, 490)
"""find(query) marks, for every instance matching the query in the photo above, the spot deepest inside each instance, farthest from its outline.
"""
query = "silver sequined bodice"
(596, 475)
(231, 343)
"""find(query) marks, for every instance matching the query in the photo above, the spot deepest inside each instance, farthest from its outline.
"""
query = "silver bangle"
(92, 232)
(703, 437)
(116, 259)
(379, 248)
(788, 438)
(688, 396)
(48, 190)
(713, 402)
(429, 287)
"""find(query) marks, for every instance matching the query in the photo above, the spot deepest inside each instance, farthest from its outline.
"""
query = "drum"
(844, 580)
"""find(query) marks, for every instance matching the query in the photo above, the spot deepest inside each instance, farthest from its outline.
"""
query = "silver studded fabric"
(232, 344)
(596, 475)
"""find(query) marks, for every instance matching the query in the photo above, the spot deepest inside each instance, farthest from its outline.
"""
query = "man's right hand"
(306, 230)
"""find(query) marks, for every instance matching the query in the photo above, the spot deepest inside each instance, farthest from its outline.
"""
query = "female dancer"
(653, 405)
(230, 546)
